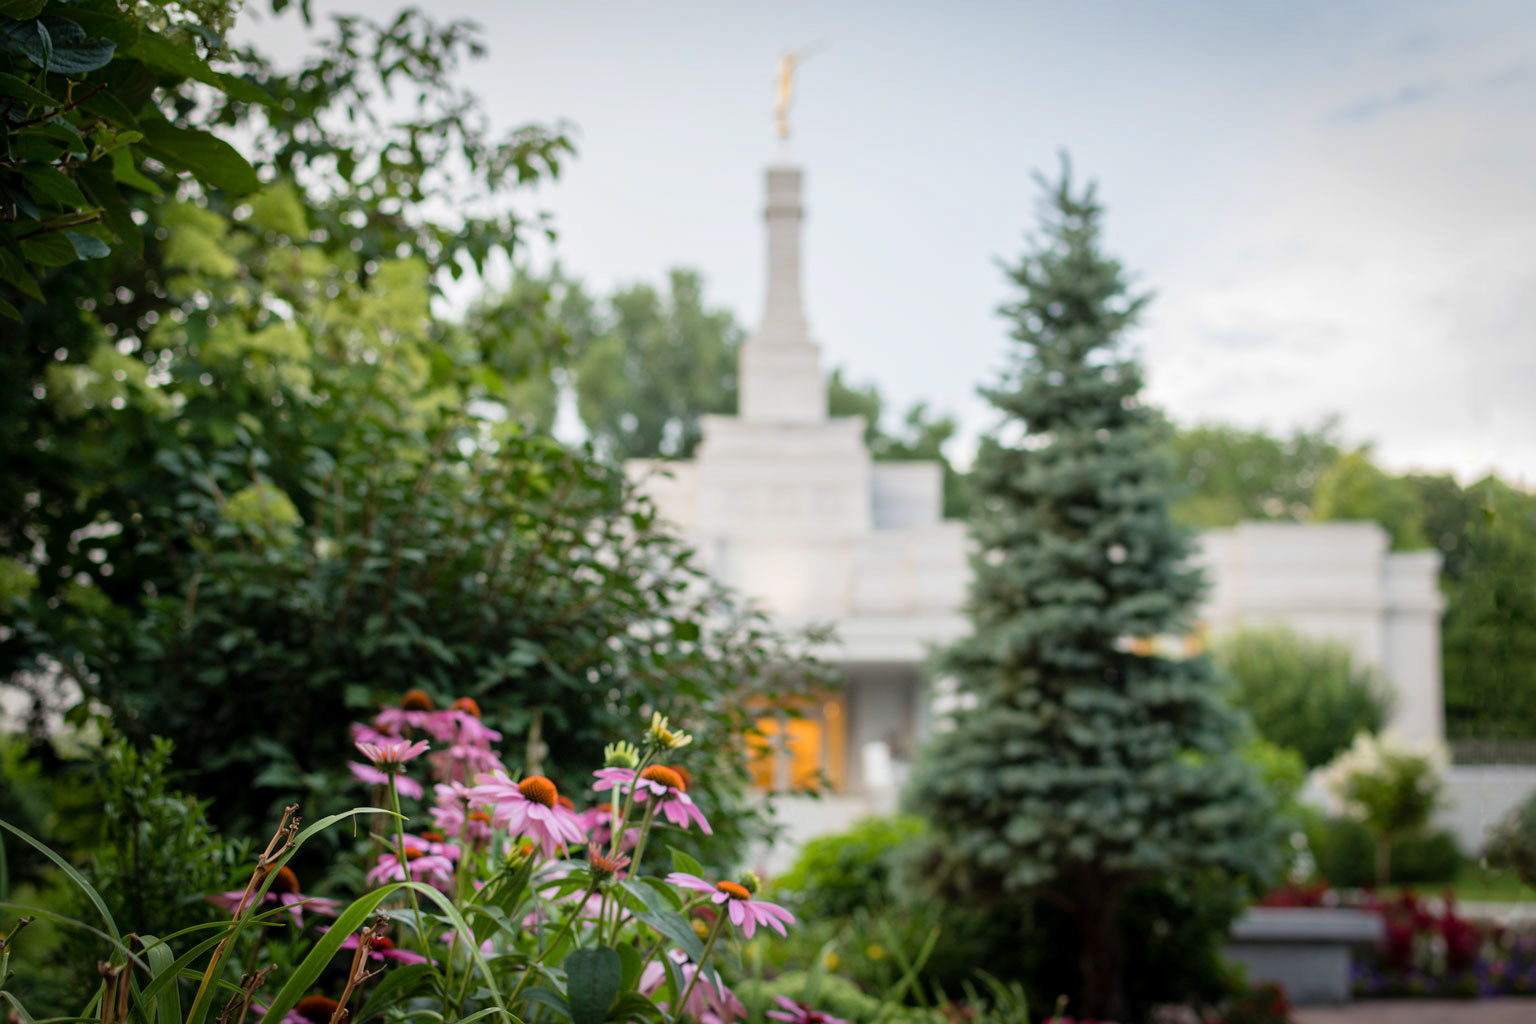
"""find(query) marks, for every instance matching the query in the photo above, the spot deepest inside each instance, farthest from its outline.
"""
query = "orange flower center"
(479, 816)
(539, 789)
(565, 801)
(411, 853)
(284, 880)
(666, 776)
(436, 837)
(734, 891)
(467, 704)
(416, 700)
(319, 1009)
(683, 774)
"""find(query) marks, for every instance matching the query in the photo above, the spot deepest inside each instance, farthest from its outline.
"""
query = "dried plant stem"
(280, 844)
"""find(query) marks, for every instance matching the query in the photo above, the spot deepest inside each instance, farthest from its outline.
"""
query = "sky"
(1334, 202)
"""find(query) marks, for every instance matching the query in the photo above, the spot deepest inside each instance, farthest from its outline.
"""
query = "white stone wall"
(1337, 581)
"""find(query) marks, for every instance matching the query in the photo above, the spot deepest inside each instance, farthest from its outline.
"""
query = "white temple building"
(785, 504)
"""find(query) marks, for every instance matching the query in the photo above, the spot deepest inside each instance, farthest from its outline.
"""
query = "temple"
(786, 506)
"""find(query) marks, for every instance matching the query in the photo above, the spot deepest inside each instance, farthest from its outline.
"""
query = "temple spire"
(780, 365)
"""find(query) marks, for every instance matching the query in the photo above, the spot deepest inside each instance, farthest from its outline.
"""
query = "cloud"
(1376, 106)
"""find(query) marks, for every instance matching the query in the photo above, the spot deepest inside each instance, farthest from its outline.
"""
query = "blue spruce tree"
(1085, 764)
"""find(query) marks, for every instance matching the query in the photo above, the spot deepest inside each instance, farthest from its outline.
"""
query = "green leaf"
(592, 978)
(209, 158)
(115, 211)
(73, 52)
(552, 1000)
(14, 272)
(9, 311)
(161, 958)
(108, 106)
(73, 875)
(22, 10)
(87, 247)
(634, 1006)
(126, 172)
(675, 927)
(629, 957)
(682, 862)
(50, 182)
(308, 971)
(164, 54)
(50, 250)
(18, 89)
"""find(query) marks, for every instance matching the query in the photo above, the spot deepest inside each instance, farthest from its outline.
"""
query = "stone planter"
(1306, 949)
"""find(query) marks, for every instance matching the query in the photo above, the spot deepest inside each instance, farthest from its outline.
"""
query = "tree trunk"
(1101, 951)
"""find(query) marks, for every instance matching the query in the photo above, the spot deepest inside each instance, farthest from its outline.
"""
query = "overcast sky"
(1335, 202)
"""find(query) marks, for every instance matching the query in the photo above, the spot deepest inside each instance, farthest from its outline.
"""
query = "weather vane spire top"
(785, 94)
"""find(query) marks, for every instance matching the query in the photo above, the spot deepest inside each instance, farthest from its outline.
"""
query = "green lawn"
(1474, 883)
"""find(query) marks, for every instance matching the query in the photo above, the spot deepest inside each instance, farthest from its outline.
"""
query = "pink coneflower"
(392, 755)
(710, 1002)
(667, 785)
(362, 733)
(284, 891)
(799, 1013)
(433, 868)
(745, 912)
(529, 808)
(603, 866)
(384, 949)
(597, 822)
(464, 761)
(415, 711)
(616, 779)
(404, 784)
(452, 816)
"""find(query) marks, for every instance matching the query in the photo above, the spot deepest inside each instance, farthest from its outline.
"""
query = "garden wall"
(1479, 795)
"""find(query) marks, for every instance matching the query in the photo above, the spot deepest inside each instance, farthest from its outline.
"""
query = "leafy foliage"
(841, 873)
(653, 366)
(1353, 487)
(1084, 767)
(1391, 786)
(1512, 844)
(256, 483)
(1232, 474)
(87, 91)
(1487, 535)
(1303, 693)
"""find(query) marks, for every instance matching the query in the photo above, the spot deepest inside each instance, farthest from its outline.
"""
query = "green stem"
(709, 945)
(405, 865)
(629, 805)
(559, 937)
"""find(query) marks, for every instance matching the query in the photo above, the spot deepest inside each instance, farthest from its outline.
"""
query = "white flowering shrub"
(1391, 785)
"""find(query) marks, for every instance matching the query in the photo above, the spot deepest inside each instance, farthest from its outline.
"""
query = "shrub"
(1345, 855)
(842, 873)
(1391, 786)
(495, 885)
(1512, 843)
(1302, 693)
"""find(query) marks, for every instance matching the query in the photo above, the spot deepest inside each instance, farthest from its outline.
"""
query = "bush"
(1391, 786)
(840, 874)
(1302, 693)
(1512, 843)
(1345, 855)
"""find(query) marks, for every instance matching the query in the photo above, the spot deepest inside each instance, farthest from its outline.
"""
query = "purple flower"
(745, 912)
(799, 1013)
(529, 808)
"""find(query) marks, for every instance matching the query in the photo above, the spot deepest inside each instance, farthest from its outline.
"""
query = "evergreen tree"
(1085, 764)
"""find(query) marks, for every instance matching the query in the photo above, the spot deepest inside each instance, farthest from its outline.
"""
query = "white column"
(780, 366)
